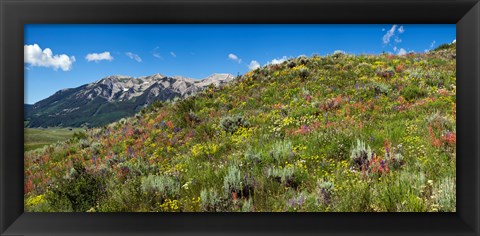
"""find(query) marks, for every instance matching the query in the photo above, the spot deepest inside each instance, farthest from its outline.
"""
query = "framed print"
(239, 117)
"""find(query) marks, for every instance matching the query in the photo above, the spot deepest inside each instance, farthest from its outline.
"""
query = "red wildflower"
(28, 186)
(450, 138)
(399, 68)
(277, 106)
(435, 142)
(308, 98)
(169, 124)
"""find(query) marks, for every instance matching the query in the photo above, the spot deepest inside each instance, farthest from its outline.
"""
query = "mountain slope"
(112, 98)
(336, 133)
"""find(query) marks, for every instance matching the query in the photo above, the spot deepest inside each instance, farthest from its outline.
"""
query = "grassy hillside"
(333, 133)
(38, 137)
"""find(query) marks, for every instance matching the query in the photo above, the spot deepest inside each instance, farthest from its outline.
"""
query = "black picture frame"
(15, 13)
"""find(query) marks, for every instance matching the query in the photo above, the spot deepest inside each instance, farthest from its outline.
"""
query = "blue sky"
(67, 56)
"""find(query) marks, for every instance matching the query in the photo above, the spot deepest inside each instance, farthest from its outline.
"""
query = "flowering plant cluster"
(322, 133)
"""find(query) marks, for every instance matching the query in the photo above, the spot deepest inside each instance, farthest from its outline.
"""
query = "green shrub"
(282, 151)
(286, 175)
(124, 197)
(360, 154)
(247, 205)
(96, 148)
(237, 183)
(404, 192)
(337, 54)
(79, 192)
(291, 64)
(160, 185)
(304, 72)
(356, 198)
(252, 157)
(386, 73)
(445, 195)
(83, 143)
(233, 180)
(232, 123)
(79, 135)
(444, 46)
(135, 168)
(411, 93)
(157, 104)
(186, 105)
(381, 88)
(210, 200)
(325, 190)
(395, 157)
(191, 119)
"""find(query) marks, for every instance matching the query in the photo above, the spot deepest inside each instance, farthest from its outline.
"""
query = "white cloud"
(389, 34)
(173, 54)
(401, 52)
(35, 56)
(454, 41)
(431, 46)
(133, 56)
(157, 54)
(393, 33)
(277, 61)
(395, 48)
(99, 56)
(253, 65)
(234, 57)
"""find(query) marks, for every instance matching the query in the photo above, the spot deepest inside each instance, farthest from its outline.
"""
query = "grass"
(339, 133)
(39, 137)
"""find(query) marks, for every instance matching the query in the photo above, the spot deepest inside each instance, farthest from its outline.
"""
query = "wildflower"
(186, 185)
(308, 98)
(169, 124)
(450, 138)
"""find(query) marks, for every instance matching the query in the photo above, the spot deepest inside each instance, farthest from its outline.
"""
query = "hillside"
(334, 133)
(112, 98)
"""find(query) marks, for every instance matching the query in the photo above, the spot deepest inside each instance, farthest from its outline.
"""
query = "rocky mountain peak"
(114, 97)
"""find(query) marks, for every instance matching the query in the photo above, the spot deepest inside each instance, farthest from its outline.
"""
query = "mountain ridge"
(113, 97)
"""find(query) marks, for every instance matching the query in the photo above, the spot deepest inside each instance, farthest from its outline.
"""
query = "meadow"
(39, 137)
(335, 133)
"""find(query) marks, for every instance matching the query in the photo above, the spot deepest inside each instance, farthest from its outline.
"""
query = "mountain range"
(112, 98)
